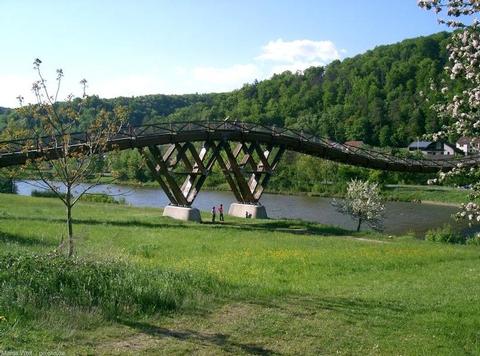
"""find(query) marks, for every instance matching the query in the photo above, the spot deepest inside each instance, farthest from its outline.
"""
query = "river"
(400, 217)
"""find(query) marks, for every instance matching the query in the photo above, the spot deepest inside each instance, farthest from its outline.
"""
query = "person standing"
(214, 214)
(220, 212)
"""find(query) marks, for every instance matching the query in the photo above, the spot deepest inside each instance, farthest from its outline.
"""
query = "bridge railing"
(21, 145)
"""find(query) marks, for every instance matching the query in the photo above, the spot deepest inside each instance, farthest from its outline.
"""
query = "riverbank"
(143, 283)
(400, 217)
(447, 196)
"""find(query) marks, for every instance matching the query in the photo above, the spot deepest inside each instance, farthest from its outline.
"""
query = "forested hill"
(382, 97)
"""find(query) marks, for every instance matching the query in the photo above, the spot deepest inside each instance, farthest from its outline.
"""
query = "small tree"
(363, 203)
(73, 158)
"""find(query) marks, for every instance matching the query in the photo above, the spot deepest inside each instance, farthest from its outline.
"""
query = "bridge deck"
(17, 152)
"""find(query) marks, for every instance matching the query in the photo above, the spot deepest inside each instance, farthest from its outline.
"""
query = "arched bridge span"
(247, 154)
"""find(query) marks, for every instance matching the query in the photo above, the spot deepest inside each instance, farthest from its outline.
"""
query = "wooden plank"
(228, 177)
(163, 169)
(182, 155)
(168, 153)
(276, 159)
(208, 169)
(248, 158)
(237, 174)
(153, 169)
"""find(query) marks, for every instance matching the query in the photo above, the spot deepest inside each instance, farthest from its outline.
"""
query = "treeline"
(382, 97)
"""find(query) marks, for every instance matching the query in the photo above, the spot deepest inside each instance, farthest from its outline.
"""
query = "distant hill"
(382, 97)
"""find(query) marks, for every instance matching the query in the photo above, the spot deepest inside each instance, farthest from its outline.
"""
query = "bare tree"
(68, 158)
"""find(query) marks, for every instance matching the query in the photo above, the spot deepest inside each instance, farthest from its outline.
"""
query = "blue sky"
(141, 47)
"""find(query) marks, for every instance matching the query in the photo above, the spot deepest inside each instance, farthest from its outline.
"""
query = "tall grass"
(31, 282)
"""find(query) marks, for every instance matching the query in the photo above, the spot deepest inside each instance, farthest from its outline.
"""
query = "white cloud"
(298, 54)
(300, 51)
(275, 57)
(227, 78)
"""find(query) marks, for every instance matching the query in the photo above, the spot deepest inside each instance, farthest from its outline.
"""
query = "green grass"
(147, 284)
(426, 193)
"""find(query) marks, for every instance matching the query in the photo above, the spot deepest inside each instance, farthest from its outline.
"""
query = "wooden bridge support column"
(248, 169)
(166, 168)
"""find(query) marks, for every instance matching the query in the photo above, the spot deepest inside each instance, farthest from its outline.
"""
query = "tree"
(461, 108)
(50, 126)
(363, 203)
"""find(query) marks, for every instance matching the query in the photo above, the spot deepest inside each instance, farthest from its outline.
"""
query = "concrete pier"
(254, 211)
(182, 213)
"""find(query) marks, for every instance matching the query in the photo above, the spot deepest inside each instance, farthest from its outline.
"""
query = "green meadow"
(141, 283)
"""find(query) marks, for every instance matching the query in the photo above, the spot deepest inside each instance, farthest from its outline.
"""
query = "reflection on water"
(399, 217)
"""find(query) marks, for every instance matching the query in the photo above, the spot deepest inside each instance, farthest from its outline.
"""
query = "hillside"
(382, 96)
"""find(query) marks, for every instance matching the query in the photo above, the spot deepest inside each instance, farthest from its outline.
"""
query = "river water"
(400, 217)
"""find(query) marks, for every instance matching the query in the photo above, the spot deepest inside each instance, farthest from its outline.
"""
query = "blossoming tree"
(461, 109)
(363, 203)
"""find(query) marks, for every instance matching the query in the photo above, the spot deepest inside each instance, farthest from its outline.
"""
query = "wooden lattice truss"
(182, 168)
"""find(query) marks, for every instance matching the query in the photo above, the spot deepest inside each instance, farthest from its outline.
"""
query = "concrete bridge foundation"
(182, 213)
(254, 211)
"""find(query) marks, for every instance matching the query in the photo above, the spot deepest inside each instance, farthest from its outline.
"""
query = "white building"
(430, 148)
(468, 145)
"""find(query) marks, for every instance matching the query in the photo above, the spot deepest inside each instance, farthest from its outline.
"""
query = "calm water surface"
(399, 217)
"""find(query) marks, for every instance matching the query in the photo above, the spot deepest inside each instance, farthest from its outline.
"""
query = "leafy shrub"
(43, 194)
(32, 282)
(95, 198)
(7, 186)
(102, 198)
(444, 234)
(474, 240)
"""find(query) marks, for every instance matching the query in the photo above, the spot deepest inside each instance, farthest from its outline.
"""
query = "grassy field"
(437, 194)
(147, 284)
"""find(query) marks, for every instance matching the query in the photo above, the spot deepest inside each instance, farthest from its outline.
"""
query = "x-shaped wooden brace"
(235, 169)
(197, 168)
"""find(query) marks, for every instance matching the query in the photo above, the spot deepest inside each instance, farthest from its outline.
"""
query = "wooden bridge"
(247, 154)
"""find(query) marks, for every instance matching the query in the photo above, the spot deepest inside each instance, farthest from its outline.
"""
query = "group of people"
(220, 213)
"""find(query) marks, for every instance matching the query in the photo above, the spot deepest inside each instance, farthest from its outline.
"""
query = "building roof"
(466, 140)
(354, 143)
(420, 144)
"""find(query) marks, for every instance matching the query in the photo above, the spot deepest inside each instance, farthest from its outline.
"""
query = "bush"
(474, 240)
(43, 194)
(102, 198)
(95, 198)
(444, 234)
(7, 186)
(33, 282)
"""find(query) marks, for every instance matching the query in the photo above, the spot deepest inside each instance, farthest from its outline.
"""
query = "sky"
(139, 47)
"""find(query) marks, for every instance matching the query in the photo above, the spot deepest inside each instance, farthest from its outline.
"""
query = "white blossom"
(363, 203)
(463, 110)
